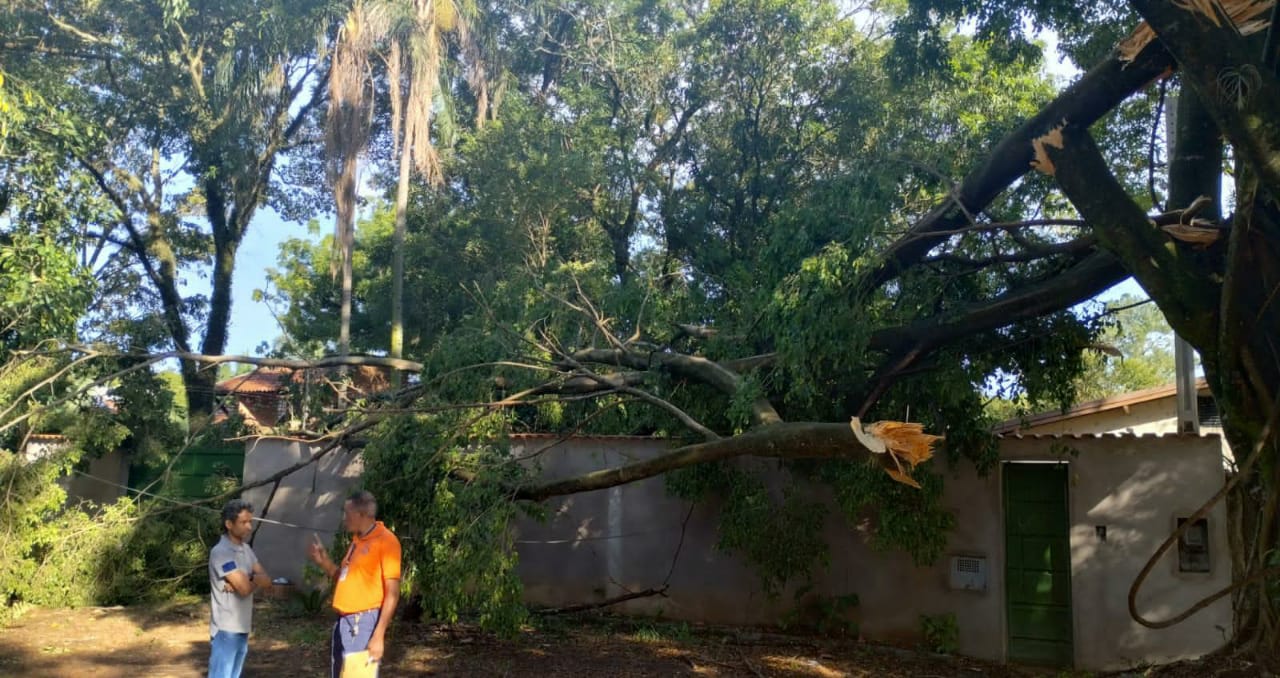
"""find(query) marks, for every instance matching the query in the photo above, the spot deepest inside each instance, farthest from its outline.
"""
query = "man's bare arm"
(239, 582)
(390, 598)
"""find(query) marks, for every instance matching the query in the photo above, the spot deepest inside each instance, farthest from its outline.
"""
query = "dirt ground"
(172, 640)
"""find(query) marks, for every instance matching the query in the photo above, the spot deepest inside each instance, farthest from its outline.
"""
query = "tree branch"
(1214, 59)
(1033, 253)
(1086, 279)
(788, 440)
(1094, 95)
(701, 369)
(1124, 230)
(684, 417)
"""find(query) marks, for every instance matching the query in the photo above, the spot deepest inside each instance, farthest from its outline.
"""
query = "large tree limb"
(1127, 232)
(1029, 253)
(683, 417)
(1242, 94)
(790, 440)
(1086, 279)
(1090, 98)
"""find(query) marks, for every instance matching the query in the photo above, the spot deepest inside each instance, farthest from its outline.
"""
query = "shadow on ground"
(173, 641)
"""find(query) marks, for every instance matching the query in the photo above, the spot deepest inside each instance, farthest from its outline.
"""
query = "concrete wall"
(600, 544)
(112, 467)
(310, 497)
(1137, 488)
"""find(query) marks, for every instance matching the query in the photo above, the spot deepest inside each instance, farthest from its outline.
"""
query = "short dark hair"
(233, 509)
(363, 501)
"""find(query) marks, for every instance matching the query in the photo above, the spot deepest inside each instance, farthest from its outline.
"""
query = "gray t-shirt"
(228, 611)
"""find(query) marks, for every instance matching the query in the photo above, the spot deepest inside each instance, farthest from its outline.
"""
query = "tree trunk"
(348, 231)
(199, 384)
(397, 254)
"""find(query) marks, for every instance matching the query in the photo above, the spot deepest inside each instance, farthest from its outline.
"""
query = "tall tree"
(727, 317)
(420, 50)
(350, 113)
(1212, 277)
(193, 106)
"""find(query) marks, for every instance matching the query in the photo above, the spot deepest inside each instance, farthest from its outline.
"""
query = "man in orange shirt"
(368, 581)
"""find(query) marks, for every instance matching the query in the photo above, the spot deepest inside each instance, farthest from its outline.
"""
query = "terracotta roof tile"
(263, 380)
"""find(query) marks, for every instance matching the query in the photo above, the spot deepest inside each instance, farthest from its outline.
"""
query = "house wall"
(598, 544)
(311, 497)
(1158, 416)
(1153, 416)
(260, 410)
(112, 467)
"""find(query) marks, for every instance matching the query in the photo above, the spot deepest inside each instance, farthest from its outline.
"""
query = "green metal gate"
(197, 472)
(1038, 569)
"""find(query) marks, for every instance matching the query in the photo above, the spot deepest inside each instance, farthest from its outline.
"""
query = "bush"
(941, 633)
(56, 554)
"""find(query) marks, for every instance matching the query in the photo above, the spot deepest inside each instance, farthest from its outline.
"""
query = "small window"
(1207, 411)
(1193, 546)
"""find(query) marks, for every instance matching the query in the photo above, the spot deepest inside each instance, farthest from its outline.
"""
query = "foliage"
(43, 290)
(674, 179)
(941, 632)
(1133, 352)
(823, 615)
(455, 534)
(776, 530)
(1144, 341)
(57, 554)
(169, 125)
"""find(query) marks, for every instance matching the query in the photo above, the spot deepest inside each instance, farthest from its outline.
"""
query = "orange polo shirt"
(371, 559)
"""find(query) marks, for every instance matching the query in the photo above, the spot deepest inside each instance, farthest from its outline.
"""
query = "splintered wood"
(1040, 157)
(1244, 15)
(902, 442)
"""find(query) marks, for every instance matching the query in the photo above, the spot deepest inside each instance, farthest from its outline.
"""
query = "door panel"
(1038, 564)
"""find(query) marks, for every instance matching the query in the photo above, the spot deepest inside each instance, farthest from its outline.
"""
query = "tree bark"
(344, 317)
(1168, 274)
(397, 253)
(789, 440)
(1240, 91)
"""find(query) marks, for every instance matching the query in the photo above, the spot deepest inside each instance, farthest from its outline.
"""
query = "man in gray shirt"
(234, 574)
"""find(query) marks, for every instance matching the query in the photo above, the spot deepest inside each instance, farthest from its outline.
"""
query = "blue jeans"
(351, 634)
(226, 654)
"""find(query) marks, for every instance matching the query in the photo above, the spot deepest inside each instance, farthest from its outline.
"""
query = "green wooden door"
(1038, 564)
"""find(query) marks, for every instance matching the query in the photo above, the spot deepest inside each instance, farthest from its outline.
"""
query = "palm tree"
(420, 52)
(347, 131)
(416, 31)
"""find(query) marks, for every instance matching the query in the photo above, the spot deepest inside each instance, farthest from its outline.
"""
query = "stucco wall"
(600, 544)
(112, 467)
(310, 497)
(1137, 488)
(597, 544)
(1158, 416)
(1153, 416)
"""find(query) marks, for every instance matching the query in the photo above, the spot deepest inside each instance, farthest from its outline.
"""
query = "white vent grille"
(968, 573)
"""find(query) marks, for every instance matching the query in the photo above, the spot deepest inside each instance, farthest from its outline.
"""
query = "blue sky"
(251, 321)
